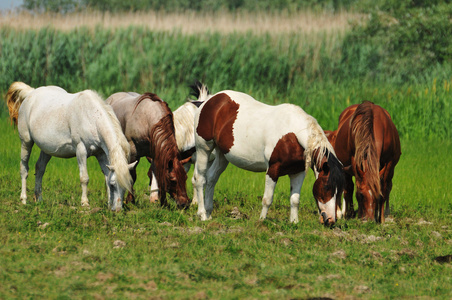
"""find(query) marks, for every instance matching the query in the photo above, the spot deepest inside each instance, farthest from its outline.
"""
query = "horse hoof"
(85, 204)
(203, 216)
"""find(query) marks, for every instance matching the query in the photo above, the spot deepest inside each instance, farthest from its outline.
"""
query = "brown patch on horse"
(287, 157)
(366, 157)
(216, 121)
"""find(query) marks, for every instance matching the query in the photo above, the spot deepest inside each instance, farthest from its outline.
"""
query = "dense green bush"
(286, 68)
(410, 40)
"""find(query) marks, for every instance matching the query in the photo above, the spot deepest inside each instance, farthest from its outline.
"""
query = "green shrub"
(403, 42)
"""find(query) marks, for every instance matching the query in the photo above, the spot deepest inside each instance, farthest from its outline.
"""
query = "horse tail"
(200, 92)
(16, 94)
(366, 155)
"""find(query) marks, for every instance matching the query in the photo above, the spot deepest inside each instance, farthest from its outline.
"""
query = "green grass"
(167, 253)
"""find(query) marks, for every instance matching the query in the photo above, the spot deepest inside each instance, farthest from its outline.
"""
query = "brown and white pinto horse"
(367, 143)
(279, 140)
(147, 123)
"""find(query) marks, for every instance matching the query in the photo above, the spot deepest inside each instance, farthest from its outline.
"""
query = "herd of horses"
(210, 132)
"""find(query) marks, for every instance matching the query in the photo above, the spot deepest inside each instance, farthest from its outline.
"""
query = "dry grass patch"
(189, 22)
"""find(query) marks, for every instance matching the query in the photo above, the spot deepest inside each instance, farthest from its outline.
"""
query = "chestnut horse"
(147, 123)
(367, 143)
(279, 140)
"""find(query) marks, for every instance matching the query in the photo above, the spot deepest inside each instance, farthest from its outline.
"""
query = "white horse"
(279, 140)
(67, 125)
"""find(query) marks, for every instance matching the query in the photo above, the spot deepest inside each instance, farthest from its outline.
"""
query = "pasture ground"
(57, 249)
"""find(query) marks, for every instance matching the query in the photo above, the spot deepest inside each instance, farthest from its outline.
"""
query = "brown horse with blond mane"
(367, 143)
(147, 123)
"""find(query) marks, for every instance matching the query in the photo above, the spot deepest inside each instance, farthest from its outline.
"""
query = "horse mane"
(366, 153)
(317, 141)
(318, 148)
(199, 91)
(184, 116)
(163, 147)
(184, 127)
(16, 94)
(149, 96)
(119, 149)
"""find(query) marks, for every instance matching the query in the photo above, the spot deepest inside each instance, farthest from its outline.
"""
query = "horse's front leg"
(25, 152)
(133, 172)
(82, 155)
(153, 184)
(199, 177)
(40, 169)
(348, 197)
(296, 182)
(214, 171)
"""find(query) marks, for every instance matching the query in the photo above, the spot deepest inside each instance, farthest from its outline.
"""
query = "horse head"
(176, 178)
(328, 185)
(116, 187)
(170, 173)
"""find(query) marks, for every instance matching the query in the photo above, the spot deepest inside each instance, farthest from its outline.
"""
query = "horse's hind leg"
(40, 169)
(267, 199)
(25, 152)
(386, 175)
(296, 182)
(82, 155)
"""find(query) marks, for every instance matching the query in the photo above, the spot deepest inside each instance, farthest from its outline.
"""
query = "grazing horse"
(279, 140)
(368, 145)
(67, 125)
(184, 118)
(147, 123)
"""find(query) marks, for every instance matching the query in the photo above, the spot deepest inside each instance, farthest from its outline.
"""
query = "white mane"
(316, 140)
(184, 126)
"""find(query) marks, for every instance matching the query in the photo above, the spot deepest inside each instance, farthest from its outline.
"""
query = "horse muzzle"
(327, 221)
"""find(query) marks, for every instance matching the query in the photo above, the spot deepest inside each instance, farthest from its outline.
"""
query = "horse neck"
(184, 127)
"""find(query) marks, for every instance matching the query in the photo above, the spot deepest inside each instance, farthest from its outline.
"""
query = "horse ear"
(132, 165)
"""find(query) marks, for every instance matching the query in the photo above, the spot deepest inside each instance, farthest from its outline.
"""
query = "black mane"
(336, 179)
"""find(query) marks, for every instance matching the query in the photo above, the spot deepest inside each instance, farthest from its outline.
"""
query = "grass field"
(57, 249)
